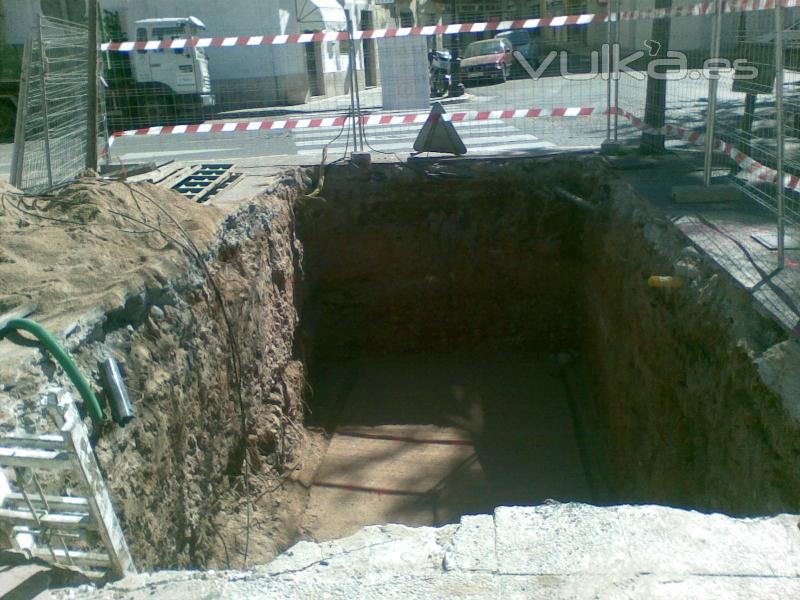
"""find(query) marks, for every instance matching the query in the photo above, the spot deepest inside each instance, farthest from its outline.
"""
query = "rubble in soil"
(215, 469)
(197, 305)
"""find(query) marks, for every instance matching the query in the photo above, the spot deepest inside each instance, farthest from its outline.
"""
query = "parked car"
(521, 42)
(487, 60)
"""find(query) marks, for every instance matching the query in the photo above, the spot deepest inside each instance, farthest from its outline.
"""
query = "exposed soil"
(93, 244)
(655, 393)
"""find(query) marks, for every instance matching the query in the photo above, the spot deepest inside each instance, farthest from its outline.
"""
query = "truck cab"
(172, 81)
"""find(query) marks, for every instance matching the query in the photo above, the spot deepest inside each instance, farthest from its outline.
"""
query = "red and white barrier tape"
(369, 34)
(367, 120)
(699, 9)
(745, 162)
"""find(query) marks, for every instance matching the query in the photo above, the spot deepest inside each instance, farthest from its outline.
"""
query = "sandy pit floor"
(424, 439)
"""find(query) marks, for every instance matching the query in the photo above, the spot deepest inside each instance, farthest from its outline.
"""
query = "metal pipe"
(45, 115)
(779, 133)
(616, 70)
(607, 59)
(576, 200)
(351, 67)
(116, 392)
(713, 86)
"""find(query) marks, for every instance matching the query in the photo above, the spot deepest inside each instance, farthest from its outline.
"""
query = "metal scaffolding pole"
(779, 133)
(713, 86)
(91, 90)
(616, 69)
(46, 118)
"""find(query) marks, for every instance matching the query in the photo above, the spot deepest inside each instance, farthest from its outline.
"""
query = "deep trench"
(467, 338)
(441, 326)
(489, 309)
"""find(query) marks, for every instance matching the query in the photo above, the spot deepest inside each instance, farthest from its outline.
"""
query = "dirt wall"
(490, 257)
(686, 417)
(480, 255)
(155, 302)
(177, 471)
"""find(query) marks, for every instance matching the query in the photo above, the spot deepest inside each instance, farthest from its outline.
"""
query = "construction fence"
(51, 137)
(192, 80)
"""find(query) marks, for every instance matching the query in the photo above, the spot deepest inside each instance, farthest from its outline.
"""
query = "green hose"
(52, 345)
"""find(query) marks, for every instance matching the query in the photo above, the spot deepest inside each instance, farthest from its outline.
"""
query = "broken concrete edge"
(137, 301)
(555, 550)
(777, 357)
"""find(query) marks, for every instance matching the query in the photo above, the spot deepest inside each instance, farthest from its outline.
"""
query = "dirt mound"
(92, 243)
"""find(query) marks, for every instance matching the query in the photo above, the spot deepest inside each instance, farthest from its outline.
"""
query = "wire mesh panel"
(252, 78)
(52, 146)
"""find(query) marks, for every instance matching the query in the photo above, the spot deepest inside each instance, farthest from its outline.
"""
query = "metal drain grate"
(206, 180)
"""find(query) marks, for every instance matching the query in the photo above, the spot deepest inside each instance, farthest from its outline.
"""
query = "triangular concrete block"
(438, 135)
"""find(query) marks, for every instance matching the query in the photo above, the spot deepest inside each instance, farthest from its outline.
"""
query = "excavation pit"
(413, 343)
(488, 337)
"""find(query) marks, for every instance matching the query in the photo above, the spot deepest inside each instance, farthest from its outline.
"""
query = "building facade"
(278, 74)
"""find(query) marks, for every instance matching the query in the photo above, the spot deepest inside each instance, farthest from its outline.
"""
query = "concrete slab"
(630, 540)
(699, 194)
(548, 552)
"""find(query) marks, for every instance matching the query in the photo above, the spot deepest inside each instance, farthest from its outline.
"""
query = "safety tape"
(699, 9)
(367, 120)
(742, 160)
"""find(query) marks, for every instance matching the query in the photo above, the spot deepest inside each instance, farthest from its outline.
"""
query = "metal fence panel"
(51, 140)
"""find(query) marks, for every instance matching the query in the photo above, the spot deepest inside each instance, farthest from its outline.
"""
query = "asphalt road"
(685, 105)
(480, 137)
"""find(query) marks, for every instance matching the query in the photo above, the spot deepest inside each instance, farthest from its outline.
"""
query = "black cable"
(234, 347)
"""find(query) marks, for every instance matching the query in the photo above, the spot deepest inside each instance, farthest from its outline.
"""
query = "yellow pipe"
(666, 282)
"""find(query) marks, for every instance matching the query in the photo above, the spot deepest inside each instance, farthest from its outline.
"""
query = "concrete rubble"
(547, 551)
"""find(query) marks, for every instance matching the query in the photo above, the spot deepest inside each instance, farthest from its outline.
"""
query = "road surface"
(685, 106)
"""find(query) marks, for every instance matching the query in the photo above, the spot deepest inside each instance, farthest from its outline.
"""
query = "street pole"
(91, 95)
(779, 133)
(616, 69)
(713, 86)
(607, 57)
(656, 101)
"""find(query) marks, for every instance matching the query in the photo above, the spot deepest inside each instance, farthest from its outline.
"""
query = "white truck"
(159, 87)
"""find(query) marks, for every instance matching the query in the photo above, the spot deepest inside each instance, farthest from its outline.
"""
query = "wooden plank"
(20, 312)
(79, 557)
(18, 154)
